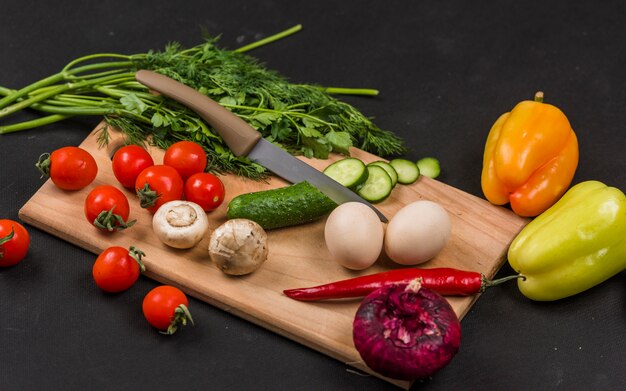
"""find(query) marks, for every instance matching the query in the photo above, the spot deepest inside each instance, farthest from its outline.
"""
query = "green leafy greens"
(301, 118)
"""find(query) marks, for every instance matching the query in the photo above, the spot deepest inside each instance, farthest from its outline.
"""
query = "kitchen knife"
(244, 140)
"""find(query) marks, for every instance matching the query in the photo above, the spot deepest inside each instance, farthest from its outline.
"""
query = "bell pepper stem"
(539, 96)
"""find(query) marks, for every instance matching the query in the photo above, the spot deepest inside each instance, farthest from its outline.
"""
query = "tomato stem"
(112, 222)
(4, 240)
(43, 164)
(147, 196)
(181, 316)
(136, 254)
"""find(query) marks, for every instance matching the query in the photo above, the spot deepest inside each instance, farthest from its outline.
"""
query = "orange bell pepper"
(530, 158)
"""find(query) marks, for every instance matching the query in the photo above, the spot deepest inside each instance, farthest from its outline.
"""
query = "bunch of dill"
(301, 118)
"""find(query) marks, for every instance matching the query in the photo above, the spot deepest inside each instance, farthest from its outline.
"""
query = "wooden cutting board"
(481, 234)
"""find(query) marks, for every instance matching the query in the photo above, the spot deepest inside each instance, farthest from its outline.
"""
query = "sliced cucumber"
(408, 172)
(390, 170)
(350, 172)
(377, 187)
(429, 166)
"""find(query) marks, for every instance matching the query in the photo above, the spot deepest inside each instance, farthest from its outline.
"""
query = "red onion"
(406, 332)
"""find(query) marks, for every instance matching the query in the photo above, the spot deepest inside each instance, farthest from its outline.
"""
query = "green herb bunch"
(301, 118)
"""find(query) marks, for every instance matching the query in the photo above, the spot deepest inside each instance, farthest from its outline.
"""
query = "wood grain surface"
(481, 234)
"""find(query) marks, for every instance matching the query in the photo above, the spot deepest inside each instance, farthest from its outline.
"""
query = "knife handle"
(236, 133)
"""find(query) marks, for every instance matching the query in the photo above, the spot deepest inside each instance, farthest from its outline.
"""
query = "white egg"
(354, 235)
(417, 233)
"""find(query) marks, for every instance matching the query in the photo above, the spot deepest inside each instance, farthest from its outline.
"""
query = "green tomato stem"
(137, 254)
(181, 317)
(4, 240)
(8, 237)
(43, 164)
(147, 196)
(112, 222)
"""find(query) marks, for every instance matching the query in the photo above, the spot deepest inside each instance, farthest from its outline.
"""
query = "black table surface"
(446, 71)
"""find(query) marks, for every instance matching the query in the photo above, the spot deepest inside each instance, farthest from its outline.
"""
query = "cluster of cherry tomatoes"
(182, 175)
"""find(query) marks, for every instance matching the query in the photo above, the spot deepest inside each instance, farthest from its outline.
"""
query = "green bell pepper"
(576, 244)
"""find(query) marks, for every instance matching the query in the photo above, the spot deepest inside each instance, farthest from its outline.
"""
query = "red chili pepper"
(445, 281)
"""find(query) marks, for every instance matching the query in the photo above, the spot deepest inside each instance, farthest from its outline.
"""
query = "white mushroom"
(180, 224)
(239, 246)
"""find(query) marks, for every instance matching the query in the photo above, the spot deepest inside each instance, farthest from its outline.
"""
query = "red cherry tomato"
(205, 189)
(165, 308)
(14, 242)
(128, 162)
(70, 168)
(157, 185)
(107, 208)
(117, 269)
(186, 157)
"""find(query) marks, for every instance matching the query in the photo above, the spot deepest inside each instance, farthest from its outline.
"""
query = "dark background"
(446, 71)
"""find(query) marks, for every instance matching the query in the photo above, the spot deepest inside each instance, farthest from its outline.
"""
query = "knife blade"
(244, 140)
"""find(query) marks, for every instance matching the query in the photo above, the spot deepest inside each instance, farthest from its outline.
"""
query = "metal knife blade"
(295, 170)
(243, 140)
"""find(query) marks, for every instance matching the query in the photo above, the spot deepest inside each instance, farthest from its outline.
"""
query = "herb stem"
(285, 113)
(64, 100)
(32, 87)
(350, 91)
(33, 123)
(58, 77)
(30, 101)
(59, 89)
(90, 110)
(66, 69)
(5, 91)
(119, 93)
(270, 39)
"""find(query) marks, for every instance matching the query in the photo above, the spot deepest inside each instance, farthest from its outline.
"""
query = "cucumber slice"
(408, 172)
(350, 172)
(377, 187)
(390, 170)
(429, 166)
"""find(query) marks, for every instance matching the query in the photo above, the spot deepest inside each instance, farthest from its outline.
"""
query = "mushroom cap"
(180, 224)
(238, 247)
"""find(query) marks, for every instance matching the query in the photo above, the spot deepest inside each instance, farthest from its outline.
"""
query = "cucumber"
(429, 166)
(378, 185)
(349, 171)
(408, 172)
(390, 170)
(291, 205)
